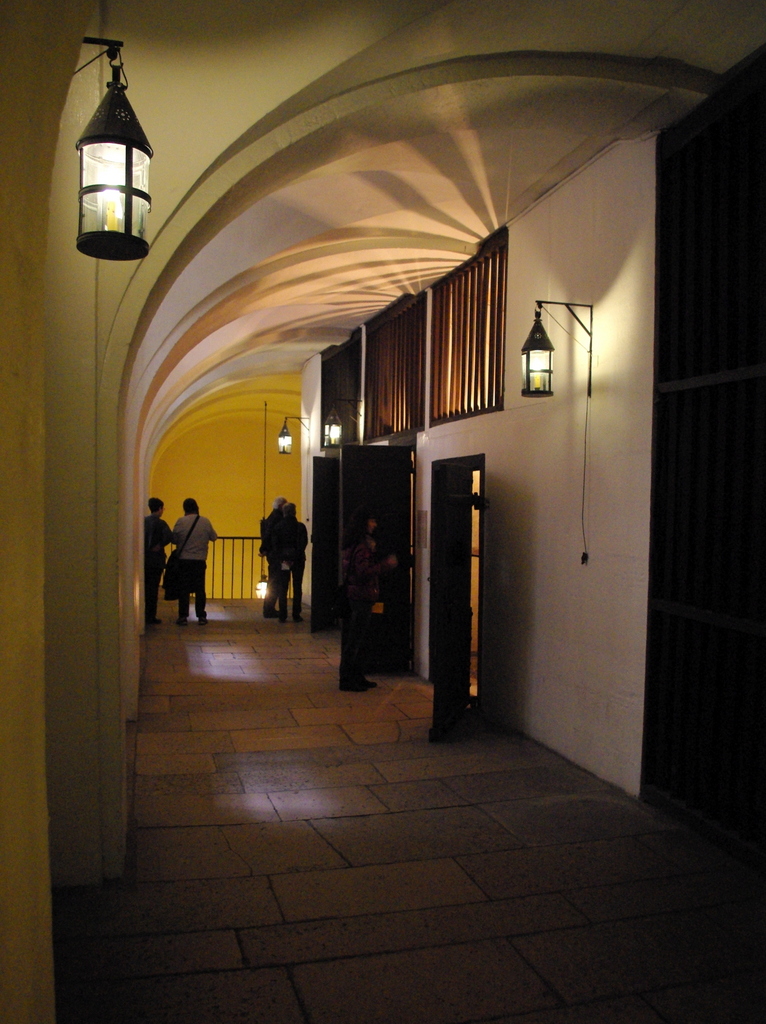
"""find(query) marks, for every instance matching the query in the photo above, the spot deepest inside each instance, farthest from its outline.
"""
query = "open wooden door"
(450, 619)
(324, 541)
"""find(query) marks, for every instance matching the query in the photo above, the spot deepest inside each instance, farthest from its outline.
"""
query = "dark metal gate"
(705, 734)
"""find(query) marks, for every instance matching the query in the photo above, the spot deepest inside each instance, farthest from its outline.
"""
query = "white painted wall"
(564, 644)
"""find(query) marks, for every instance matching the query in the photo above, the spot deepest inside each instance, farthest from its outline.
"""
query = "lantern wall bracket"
(588, 328)
(541, 303)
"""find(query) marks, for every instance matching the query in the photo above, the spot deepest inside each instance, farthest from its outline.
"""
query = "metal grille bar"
(234, 568)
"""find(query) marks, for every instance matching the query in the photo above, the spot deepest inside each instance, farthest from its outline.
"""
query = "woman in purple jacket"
(361, 570)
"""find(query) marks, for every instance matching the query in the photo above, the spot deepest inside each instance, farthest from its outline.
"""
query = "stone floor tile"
(228, 997)
(334, 937)
(174, 764)
(658, 895)
(628, 957)
(524, 783)
(336, 802)
(745, 919)
(737, 1000)
(575, 818)
(689, 851)
(288, 665)
(370, 890)
(456, 765)
(151, 907)
(166, 854)
(414, 835)
(474, 981)
(261, 718)
(375, 711)
(221, 702)
(631, 1010)
(287, 738)
(416, 796)
(193, 809)
(414, 709)
(280, 847)
(184, 743)
(416, 728)
(176, 722)
(373, 732)
(153, 705)
(146, 955)
(159, 785)
(508, 873)
(183, 687)
(272, 778)
(339, 698)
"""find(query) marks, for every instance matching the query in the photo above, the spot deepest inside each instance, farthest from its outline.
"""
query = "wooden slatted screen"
(395, 369)
(468, 335)
(704, 750)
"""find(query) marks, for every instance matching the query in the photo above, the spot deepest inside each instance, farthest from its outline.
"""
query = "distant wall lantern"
(333, 430)
(285, 438)
(114, 172)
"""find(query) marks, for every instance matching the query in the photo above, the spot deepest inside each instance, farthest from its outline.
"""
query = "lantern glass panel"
(103, 211)
(103, 163)
(140, 170)
(140, 216)
(540, 368)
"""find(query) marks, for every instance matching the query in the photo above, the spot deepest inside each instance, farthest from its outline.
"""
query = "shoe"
(271, 615)
(181, 622)
(297, 618)
(368, 684)
(202, 620)
(353, 687)
(153, 622)
(283, 619)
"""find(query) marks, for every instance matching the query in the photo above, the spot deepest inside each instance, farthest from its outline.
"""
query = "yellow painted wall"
(215, 453)
(29, 123)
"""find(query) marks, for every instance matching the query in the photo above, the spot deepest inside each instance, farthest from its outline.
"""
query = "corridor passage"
(300, 855)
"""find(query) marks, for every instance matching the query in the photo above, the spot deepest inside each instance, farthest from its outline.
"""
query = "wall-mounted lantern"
(285, 438)
(333, 430)
(114, 172)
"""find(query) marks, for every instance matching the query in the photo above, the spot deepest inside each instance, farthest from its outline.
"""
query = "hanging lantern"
(537, 362)
(114, 176)
(285, 440)
(333, 430)
(260, 588)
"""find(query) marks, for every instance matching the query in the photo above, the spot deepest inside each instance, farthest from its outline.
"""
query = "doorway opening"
(457, 530)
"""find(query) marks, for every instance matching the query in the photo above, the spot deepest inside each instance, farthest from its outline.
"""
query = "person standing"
(157, 536)
(191, 535)
(272, 587)
(362, 568)
(289, 539)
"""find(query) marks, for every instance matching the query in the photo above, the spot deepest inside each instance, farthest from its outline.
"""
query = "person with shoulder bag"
(191, 535)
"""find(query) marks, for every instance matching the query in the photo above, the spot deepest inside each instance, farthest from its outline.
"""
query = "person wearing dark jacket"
(288, 543)
(362, 568)
(157, 536)
(272, 587)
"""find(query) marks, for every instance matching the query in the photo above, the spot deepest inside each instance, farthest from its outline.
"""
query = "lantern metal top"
(537, 339)
(115, 120)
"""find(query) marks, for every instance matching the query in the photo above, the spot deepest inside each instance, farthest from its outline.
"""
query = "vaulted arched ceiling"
(393, 138)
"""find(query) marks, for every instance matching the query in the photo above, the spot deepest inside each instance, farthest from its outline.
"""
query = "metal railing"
(234, 567)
